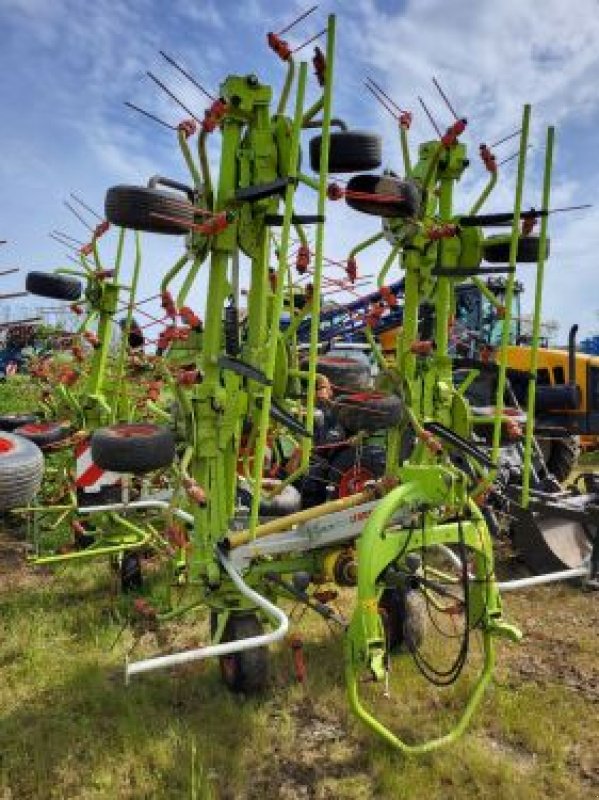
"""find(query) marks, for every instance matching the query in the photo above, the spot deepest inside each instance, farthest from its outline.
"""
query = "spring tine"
(445, 98)
(64, 244)
(69, 238)
(296, 20)
(381, 101)
(173, 96)
(511, 158)
(150, 116)
(187, 75)
(506, 138)
(430, 117)
(569, 208)
(385, 95)
(309, 41)
(86, 207)
(81, 219)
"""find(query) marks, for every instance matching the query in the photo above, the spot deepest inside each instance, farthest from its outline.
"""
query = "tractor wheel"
(389, 196)
(405, 618)
(349, 151)
(21, 470)
(144, 209)
(43, 433)
(349, 472)
(246, 672)
(54, 287)
(562, 457)
(313, 486)
(130, 572)
(369, 411)
(135, 447)
(8, 422)
(344, 373)
(496, 250)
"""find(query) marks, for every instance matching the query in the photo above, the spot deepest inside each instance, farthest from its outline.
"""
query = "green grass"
(69, 728)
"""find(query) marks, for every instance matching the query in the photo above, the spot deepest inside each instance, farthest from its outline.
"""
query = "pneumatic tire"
(349, 151)
(43, 434)
(142, 208)
(497, 250)
(384, 196)
(21, 471)
(246, 672)
(136, 447)
(10, 421)
(54, 287)
(369, 411)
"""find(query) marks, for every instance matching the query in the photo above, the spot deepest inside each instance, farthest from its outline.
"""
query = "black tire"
(246, 672)
(21, 471)
(133, 447)
(313, 486)
(140, 207)
(345, 374)
(43, 433)
(349, 471)
(563, 456)
(349, 151)
(369, 411)
(54, 287)
(288, 501)
(496, 250)
(405, 618)
(407, 203)
(130, 573)
(8, 422)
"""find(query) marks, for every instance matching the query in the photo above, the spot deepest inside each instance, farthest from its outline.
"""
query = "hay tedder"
(245, 398)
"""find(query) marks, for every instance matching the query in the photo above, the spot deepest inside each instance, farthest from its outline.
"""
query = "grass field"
(70, 728)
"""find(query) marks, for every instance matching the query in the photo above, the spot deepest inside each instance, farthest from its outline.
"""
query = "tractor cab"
(479, 321)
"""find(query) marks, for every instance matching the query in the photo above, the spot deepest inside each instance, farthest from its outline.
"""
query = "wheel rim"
(353, 480)
(130, 431)
(6, 446)
(39, 427)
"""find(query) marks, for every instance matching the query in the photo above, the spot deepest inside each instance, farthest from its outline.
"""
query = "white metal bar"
(227, 648)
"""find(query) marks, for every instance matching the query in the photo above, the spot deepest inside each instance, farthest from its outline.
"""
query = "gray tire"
(21, 471)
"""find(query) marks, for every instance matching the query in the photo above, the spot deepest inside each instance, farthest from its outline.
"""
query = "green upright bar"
(509, 289)
(536, 321)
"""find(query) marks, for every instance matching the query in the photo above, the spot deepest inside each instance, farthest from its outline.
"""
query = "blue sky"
(68, 65)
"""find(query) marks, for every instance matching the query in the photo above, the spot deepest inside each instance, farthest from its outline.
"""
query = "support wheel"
(405, 618)
(246, 672)
(145, 209)
(349, 151)
(136, 447)
(54, 287)
(130, 571)
(10, 421)
(496, 250)
(383, 196)
(21, 470)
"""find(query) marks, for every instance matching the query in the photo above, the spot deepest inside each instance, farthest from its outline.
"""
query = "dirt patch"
(319, 761)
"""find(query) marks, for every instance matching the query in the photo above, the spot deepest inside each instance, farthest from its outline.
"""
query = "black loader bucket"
(555, 534)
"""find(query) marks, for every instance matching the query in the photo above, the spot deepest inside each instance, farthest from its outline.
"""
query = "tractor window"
(492, 326)
(559, 375)
(468, 309)
(543, 377)
(594, 388)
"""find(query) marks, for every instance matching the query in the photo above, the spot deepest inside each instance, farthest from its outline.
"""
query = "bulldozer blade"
(551, 542)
